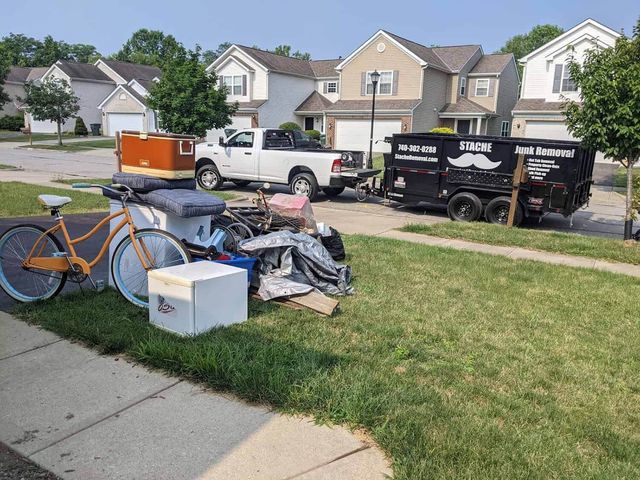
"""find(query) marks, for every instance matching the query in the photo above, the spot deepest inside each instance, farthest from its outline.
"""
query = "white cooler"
(193, 298)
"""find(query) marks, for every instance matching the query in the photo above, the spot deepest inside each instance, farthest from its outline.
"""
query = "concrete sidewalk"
(83, 415)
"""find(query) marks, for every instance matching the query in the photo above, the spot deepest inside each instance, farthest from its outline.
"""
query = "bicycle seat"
(53, 201)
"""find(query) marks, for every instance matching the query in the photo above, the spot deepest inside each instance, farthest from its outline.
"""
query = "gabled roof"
(426, 54)
(252, 105)
(325, 68)
(558, 39)
(146, 84)
(381, 105)
(83, 71)
(36, 73)
(464, 105)
(279, 63)
(314, 103)
(126, 88)
(18, 75)
(457, 56)
(129, 71)
(494, 63)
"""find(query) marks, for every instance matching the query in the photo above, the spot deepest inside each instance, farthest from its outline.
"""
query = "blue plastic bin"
(241, 262)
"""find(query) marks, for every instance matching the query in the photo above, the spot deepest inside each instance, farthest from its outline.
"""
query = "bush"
(636, 194)
(442, 130)
(12, 122)
(80, 128)
(290, 126)
(315, 134)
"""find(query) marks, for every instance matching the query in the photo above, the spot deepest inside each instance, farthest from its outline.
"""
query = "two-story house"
(88, 83)
(268, 87)
(546, 81)
(125, 108)
(14, 87)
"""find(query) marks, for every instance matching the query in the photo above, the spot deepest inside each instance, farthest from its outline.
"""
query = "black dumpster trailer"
(473, 175)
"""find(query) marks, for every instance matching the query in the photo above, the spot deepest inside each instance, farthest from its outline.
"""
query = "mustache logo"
(164, 306)
(477, 160)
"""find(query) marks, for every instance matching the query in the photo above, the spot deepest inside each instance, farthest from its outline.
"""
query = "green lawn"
(105, 143)
(71, 181)
(568, 243)
(35, 137)
(620, 177)
(6, 167)
(20, 199)
(460, 365)
(66, 147)
(378, 162)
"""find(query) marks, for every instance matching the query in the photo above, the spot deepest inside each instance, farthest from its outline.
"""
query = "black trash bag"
(334, 245)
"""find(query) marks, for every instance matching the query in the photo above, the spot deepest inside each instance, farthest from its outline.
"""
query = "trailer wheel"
(498, 211)
(464, 207)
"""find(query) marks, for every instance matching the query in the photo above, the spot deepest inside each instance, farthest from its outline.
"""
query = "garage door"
(45, 126)
(554, 131)
(548, 130)
(354, 134)
(117, 122)
(238, 122)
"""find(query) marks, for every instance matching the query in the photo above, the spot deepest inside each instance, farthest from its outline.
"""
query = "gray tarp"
(295, 263)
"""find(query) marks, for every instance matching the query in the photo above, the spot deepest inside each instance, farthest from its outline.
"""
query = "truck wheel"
(464, 207)
(304, 184)
(498, 211)
(209, 178)
(241, 183)
(333, 191)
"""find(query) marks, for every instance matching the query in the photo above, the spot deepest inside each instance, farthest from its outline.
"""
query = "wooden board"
(317, 302)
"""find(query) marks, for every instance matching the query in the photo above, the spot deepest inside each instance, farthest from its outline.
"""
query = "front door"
(308, 123)
(240, 159)
(464, 126)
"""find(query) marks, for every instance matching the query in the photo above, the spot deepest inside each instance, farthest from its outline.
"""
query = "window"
(233, 84)
(568, 85)
(504, 129)
(463, 86)
(331, 87)
(244, 140)
(482, 87)
(385, 83)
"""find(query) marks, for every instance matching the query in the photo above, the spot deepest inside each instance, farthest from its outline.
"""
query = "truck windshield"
(277, 140)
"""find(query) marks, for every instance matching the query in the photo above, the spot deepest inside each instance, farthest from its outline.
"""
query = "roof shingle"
(464, 105)
(493, 63)
(537, 104)
(455, 57)
(365, 105)
(129, 71)
(83, 71)
(280, 63)
(325, 68)
(18, 74)
(314, 103)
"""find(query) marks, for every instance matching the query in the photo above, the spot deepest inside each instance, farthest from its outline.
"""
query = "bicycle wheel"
(128, 274)
(23, 284)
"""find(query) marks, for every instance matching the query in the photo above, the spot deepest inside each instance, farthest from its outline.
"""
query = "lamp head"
(375, 77)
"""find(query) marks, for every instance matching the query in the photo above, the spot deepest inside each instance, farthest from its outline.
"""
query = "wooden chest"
(163, 155)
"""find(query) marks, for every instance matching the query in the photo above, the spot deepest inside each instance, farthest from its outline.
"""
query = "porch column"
(478, 125)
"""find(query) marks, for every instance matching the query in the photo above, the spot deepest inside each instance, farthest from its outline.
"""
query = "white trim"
(588, 21)
(133, 80)
(56, 67)
(584, 38)
(488, 80)
(327, 82)
(463, 80)
(502, 129)
(120, 87)
(355, 53)
(237, 60)
(366, 83)
(228, 52)
(112, 70)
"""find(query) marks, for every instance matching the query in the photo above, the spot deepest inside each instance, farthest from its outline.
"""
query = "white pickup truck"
(269, 155)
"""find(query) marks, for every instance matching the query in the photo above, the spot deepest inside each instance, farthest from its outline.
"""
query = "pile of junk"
(290, 258)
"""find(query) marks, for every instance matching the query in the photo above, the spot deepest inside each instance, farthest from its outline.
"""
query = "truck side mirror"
(221, 142)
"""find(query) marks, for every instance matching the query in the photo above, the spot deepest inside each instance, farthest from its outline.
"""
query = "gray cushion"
(147, 183)
(185, 203)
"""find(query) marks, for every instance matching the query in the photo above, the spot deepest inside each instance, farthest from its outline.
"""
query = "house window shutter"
(492, 86)
(325, 87)
(220, 82)
(394, 87)
(244, 85)
(363, 84)
(472, 87)
(557, 78)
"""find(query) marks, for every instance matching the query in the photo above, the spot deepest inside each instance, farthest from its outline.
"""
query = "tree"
(524, 44)
(607, 118)
(50, 51)
(210, 56)
(188, 99)
(285, 51)
(4, 71)
(80, 129)
(149, 47)
(53, 100)
(20, 49)
(83, 53)
(26, 51)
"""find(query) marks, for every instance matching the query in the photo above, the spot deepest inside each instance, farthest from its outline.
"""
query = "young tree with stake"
(53, 100)
(607, 117)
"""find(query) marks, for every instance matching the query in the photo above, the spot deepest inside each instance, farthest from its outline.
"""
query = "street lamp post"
(375, 77)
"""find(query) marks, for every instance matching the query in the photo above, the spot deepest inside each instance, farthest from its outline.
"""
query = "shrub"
(442, 130)
(290, 126)
(636, 194)
(315, 134)
(12, 122)
(80, 128)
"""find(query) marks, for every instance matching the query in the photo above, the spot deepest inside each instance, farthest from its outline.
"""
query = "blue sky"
(324, 28)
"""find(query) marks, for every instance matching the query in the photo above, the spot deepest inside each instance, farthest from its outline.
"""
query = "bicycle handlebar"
(114, 187)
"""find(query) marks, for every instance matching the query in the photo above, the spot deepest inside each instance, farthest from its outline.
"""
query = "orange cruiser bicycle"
(35, 266)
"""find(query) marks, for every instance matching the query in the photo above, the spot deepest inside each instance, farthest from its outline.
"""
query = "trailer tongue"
(472, 175)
